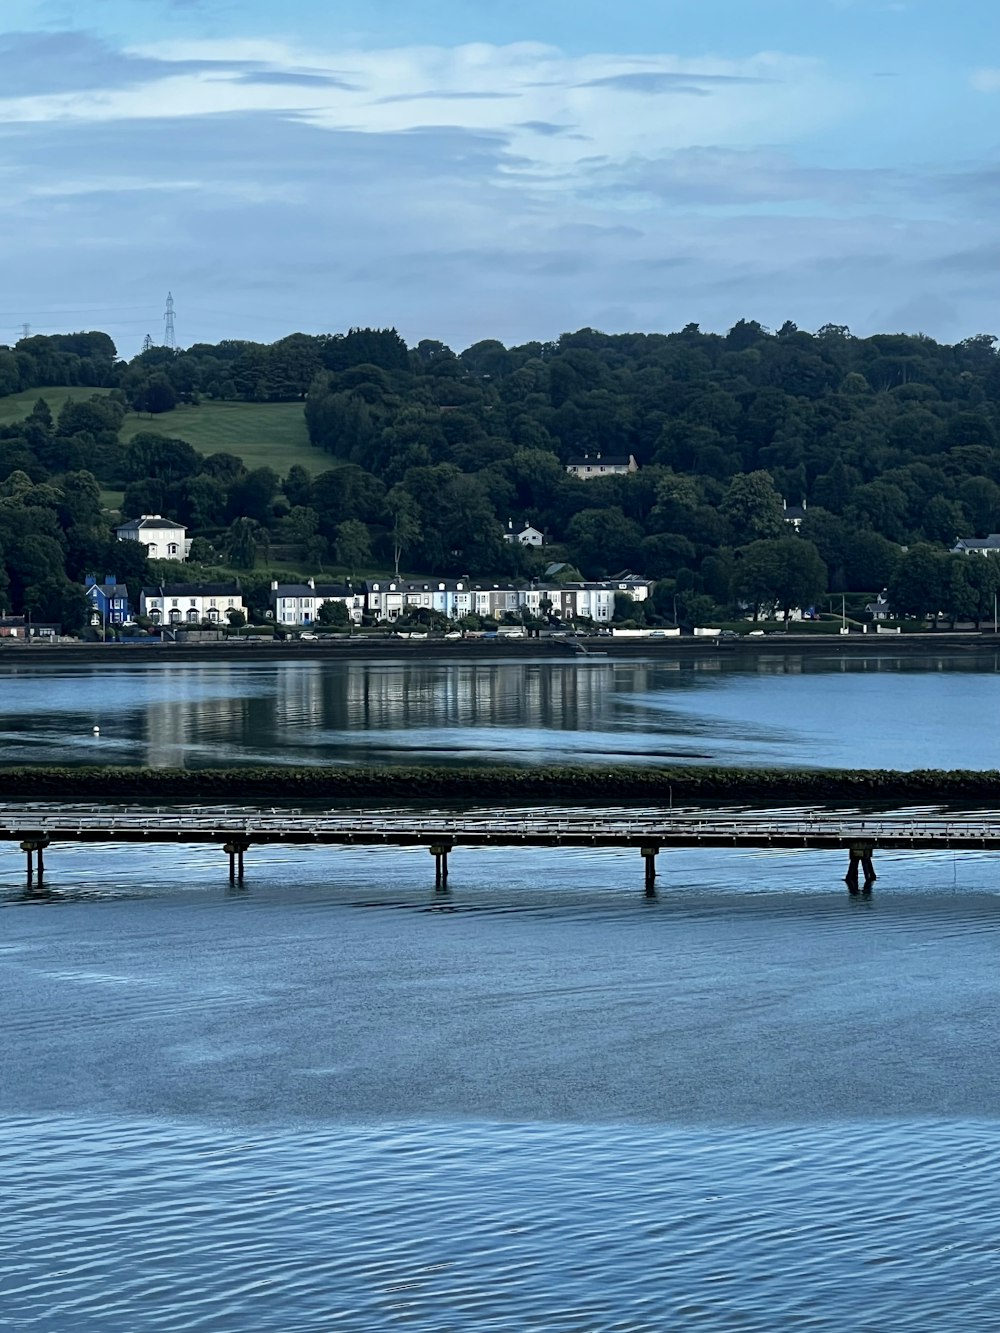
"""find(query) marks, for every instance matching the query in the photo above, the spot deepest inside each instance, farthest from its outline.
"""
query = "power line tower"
(147, 343)
(25, 330)
(169, 337)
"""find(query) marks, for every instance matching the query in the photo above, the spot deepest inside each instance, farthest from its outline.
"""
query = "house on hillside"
(191, 603)
(108, 601)
(794, 514)
(978, 545)
(601, 465)
(163, 538)
(523, 533)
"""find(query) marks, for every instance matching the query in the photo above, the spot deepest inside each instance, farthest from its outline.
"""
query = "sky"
(469, 169)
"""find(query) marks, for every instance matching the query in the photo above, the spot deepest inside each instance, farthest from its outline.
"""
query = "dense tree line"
(890, 442)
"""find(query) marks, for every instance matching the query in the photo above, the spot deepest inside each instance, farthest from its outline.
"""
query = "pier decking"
(37, 827)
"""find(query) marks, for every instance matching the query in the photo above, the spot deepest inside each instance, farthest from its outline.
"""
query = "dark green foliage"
(762, 787)
(890, 441)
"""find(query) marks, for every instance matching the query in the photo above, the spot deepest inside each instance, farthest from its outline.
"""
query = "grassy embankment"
(262, 434)
(518, 786)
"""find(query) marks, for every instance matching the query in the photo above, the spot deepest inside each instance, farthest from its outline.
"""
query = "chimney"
(274, 585)
(311, 583)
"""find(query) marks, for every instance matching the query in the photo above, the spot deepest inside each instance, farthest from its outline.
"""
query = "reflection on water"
(792, 709)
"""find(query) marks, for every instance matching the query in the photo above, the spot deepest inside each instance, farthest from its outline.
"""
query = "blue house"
(108, 601)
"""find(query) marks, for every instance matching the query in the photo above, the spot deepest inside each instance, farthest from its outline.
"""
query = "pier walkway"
(37, 827)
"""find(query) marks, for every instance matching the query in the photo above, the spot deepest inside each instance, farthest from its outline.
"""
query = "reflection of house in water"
(206, 716)
(562, 696)
(300, 695)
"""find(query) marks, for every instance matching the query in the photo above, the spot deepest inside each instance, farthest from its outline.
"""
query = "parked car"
(308, 634)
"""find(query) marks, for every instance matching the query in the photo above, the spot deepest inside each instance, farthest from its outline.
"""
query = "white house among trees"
(163, 538)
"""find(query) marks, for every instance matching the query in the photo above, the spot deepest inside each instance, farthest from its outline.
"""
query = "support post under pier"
(861, 856)
(235, 851)
(440, 851)
(34, 850)
(649, 857)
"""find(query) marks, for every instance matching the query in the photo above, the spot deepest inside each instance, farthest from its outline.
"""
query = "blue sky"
(465, 169)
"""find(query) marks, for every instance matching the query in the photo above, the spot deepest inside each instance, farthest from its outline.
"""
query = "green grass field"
(262, 434)
(18, 405)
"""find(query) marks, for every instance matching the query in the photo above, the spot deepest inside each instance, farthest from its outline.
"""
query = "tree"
(405, 530)
(236, 619)
(603, 541)
(155, 395)
(784, 572)
(241, 543)
(334, 615)
(753, 507)
(353, 545)
(919, 586)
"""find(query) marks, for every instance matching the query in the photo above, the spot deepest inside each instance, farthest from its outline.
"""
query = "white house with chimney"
(523, 533)
(163, 538)
(587, 466)
(300, 603)
(191, 603)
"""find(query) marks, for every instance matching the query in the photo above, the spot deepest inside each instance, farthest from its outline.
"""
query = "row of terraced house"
(299, 604)
(389, 599)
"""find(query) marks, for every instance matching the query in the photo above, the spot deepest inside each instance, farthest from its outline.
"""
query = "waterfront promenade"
(38, 828)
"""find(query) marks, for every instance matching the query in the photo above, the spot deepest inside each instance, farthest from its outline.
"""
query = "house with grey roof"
(300, 603)
(191, 603)
(163, 538)
(978, 545)
(587, 466)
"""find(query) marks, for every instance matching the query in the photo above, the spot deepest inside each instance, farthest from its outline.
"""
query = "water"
(874, 710)
(336, 1100)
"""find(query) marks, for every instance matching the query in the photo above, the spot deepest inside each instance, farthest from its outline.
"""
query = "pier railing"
(37, 827)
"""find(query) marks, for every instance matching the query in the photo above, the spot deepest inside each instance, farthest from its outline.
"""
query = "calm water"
(870, 711)
(542, 1103)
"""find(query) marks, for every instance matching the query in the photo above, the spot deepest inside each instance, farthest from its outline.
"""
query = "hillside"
(262, 434)
(16, 406)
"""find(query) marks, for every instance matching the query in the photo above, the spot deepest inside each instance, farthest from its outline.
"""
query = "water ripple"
(119, 1226)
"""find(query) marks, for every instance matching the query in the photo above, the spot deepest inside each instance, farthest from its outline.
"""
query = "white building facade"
(163, 538)
(191, 603)
(300, 603)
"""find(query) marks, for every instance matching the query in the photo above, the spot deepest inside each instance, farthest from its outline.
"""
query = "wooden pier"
(38, 828)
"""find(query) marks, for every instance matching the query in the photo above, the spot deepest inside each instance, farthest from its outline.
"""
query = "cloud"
(654, 83)
(465, 192)
(717, 177)
(985, 80)
(445, 95)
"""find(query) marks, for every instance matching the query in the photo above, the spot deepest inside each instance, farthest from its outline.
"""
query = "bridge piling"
(34, 849)
(440, 852)
(649, 857)
(235, 851)
(861, 855)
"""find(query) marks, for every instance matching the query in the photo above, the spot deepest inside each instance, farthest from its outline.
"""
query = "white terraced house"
(300, 603)
(191, 603)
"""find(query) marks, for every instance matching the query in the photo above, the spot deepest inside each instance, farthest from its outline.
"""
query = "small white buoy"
(97, 731)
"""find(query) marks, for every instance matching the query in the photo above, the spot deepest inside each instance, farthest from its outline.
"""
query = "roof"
(194, 590)
(600, 460)
(149, 523)
(990, 543)
(108, 589)
(320, 590)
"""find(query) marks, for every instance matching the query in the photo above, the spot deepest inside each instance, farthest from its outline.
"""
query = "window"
(171, 548)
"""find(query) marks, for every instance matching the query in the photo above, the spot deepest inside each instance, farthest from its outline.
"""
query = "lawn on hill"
(262, 434)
